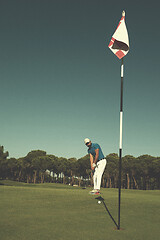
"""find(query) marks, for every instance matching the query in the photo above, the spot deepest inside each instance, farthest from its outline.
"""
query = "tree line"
(37, 166)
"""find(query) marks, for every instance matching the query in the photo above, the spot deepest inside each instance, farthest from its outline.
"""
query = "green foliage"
(142, 172)
(3, 162)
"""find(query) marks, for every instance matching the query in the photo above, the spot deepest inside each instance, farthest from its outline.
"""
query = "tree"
(112, 170)
(40, 164)
(142, 172)
(144, 165)
(28, 166)
(156, 172)
(63, 167)
(83, 168)
(53, 164)
(3, 163)
(12, 170)
(129, 171)
(72, 169)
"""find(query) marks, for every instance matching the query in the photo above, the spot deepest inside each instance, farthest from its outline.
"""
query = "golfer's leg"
(95, 178)
(100, 170)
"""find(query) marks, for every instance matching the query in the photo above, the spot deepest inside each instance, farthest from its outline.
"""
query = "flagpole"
(119, 45)
(120, 144)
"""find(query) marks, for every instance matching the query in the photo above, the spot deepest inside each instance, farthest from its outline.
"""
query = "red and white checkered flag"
(119, 43)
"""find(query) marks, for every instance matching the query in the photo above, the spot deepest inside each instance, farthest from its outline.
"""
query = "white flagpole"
(120, 144)
(119, 45)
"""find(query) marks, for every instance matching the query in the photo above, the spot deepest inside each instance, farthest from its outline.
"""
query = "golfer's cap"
(86, 140)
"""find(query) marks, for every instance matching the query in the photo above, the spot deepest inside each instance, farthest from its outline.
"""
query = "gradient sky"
(60, 83)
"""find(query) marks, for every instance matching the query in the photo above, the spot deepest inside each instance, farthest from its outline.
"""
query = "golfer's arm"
(97, 155)
(91, 159)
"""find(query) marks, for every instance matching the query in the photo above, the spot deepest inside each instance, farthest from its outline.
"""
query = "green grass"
(60, 212)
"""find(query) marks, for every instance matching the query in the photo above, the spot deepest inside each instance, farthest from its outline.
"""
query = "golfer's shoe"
(94, 192)
(97, 193)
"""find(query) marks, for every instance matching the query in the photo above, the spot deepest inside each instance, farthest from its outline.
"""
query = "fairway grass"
(60, 212)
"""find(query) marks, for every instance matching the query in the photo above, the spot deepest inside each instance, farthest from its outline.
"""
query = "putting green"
(61, 212)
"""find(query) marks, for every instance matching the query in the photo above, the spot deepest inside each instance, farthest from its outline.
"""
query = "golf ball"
(99, 202)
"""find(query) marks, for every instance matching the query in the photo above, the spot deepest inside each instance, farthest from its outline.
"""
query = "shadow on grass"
(102, 200)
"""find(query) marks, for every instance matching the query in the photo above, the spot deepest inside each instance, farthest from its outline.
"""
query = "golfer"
(98, 164)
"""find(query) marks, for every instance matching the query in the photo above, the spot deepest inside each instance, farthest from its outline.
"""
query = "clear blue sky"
(60, 82)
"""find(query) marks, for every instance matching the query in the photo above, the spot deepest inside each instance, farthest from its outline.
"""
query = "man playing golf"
(98, 164)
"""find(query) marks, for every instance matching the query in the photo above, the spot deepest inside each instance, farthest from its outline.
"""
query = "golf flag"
(119, 43)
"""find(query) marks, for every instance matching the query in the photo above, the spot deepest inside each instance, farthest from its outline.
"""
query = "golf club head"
(100, 198)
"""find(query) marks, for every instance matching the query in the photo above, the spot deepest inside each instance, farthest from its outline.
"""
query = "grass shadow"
(103, 201)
